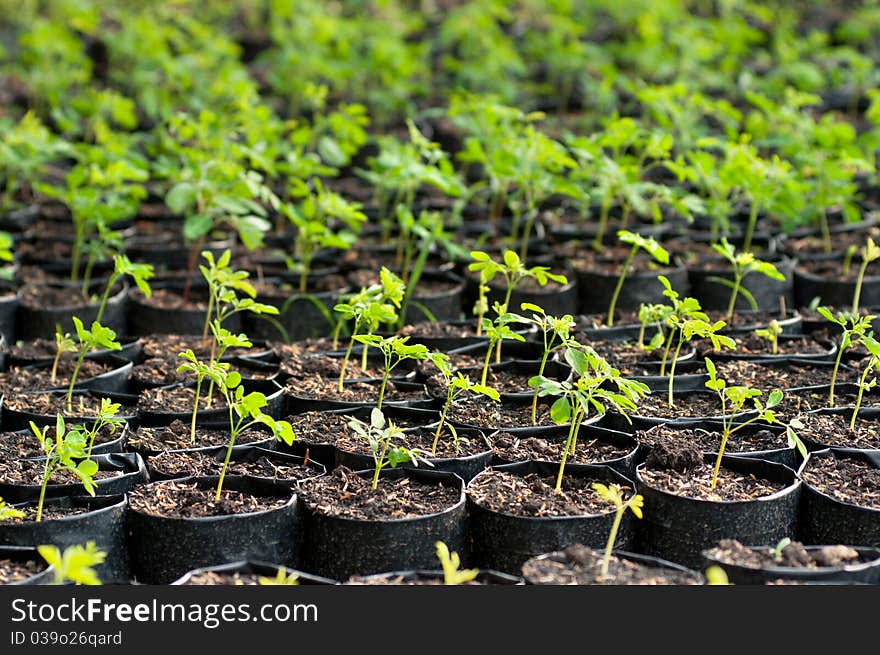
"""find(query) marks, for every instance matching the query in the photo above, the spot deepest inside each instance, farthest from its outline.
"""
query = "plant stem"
(612, 537)
(672, 368)
(364, 353)
(54, 374)
(571, 432)
(737, 281)
(441, 423)
(79, 361)
(208, 313)
(726, 432)
(629, 260)
(857, 294)
(382, 388)
(750, 228)
(603, 223)
(834, 375)
(486, 364)
(46, 474)
(106, 297)
(527, 233)
(666, 351)
(535, 395)
(852, 421)
(341, 386)
(225, 466)
(192, 426)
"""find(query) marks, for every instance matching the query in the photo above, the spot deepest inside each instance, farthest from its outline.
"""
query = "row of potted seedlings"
(535, 437)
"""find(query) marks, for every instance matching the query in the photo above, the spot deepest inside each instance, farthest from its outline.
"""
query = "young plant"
(780, 546)
(99, 337)
(106, 418)
(124, 267)
(513, 270)
(63, 344)
(854, 328)
(246, 411)
(613, 493)
(75, 563)
(450, 562)
(555, 334)
(457, 384)
(744, 264)
(638, 242)
(7, 512)
(596, 385)
(652, 314)
(870, 253)
(395, 350)
(382, 437)
(66, 451)
(771, 334)
(873, 347)
(733, 401)
(213, 370)
(282, 578)
(497, 331)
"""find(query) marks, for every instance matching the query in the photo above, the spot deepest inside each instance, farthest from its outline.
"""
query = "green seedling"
(853, 328)
(870, 253)
(66, 451)
(450, 562)
(212, 370)
(777, 550)
(99, 337)
(513, 270)
(613, 493)
(382, 438)
(638, 242)
(105, 418)
(873, 347)
(771, 335)
(744, 264)
(63, 344)
(734, 399)
(457, 384)
(282, 578)
(846, 265)
(497, 331)
(75, 563)
(596, 385)
(395, 350)
(124, 267)
(652, 314)
(8, 512)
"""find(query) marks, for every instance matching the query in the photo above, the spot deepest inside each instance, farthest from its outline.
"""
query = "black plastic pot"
(27, 554)
(34, 322)
(525, 369)
(746, 320)
(443, 305)
(525, 351)
(679, 528)
(767, 292)
(556, 300)
(616, 421)
(131, 465)
(502, 541)
(826, 520)
(131, 351)
(646, 560)
(103, 523)
(145, 318)
(255, 568)
(300, 315)
(865, 572)
(16, 419)
(596, 288)
(114, 380)
(446, 344)
(163, 549)
(8, 313)
(114, 445)
(867, 413)
(338, 547)
(486, 577)
(833, 292)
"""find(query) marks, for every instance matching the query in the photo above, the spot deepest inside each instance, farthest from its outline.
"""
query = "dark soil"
(833, 269)
(41, 297)
(691, 405)
(328, 367)
(226, 578)
(40, 378)
(425, 288)
(30, 472)
(595, 321)
(168, 299)
(696, 482)
(11, 571)
(50, 512)
(488, 415)
(677, 454)
(533, 495)
(845, 479)
(321, 388)
(510, 448)
(199, 463)
(171, 345)
(710, 442)
(159, 371)
(579, 565)
(833, 430)
(793, 555)
(438, 330)
(283, 351)
(176, 436)
(25, 443)
(319, 427)
(419, 439)
(506, 380)
(50, 404)
(740, 321)
(278, 293)
(422, 579)
(343, 493)
(610, 260)
(751, 344)
(619, 353)
(177, 400)
(185, 500)
(752, 374)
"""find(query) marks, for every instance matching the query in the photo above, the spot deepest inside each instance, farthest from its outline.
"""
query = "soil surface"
(793, 555)
(691, 405)
(159, 372)
(489, 415)
(579, 565)
(767, 378)
(199, 463)
(511, 448)
(185, 500)
(343, 493)
(845, 479)
(710, 441)
(752, 344)
(177, 400)
(226, 578)
(695, 482)
(171, 345)
(11, 571)
(42, 297)
(321, 388)
(50, 404)
(328, 367)
(50, 512)
(421, 439)
(533, 495)
(30, 472)
(176, 436)
(422, 579)
(833, 430)
(25, 443)
(40, 378)
(438, 330)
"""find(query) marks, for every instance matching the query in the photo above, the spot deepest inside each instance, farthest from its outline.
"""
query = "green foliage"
(854, 328)
(613, 494)
(450, 562)
(873, 348)
(75, 563)
(383, 438)
(771, 334)
(743, 264)
(638, 242)
(98, 338)
(395, 350)
(7, 512)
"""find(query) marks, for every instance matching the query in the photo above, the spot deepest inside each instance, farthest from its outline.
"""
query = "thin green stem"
(571, 432)
(486, 364)
(47, 473)
(106, 296)
(852, 420)
(609, 321)
(612, 537)
(441, 423)
(726, 432)
(666, 351)
(79, 361)
(341, 385)
(750, 228)
(857, 294)
(535, 395)
(834, 374)
(192, 425)
(672, 368)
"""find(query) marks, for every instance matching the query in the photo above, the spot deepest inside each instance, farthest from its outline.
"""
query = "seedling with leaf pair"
(744, 264)
(383, 437)
(124, 267)
(497, 331)
(395, 350)
(98, 338)
(450, 562)
(652, 314)
(734, 400)
(67, 450)
(457, 384)
(613, 494)
(63, 344)
(75, 563)
(854, 328)
(638, 242)
(873, 347)
(594, 385)
(771, 335)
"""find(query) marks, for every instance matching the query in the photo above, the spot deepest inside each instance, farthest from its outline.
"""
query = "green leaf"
(181, 197)
(560, 411)
(196, 225)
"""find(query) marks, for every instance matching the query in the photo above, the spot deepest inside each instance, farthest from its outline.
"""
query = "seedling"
(99, 337)
(282, 578)
(596, 386)
(212, 370)
(7, 512)
(122, 267)
(743, 264)
(771, 334)
(513, 270)
(106, 418)
(246, 411)
(66, 451)
(613, 493)
(870, 253)
(497, 331)
(451, 563)
(555, 333)
(382, 437)
(63, 344)
(456, 385)
(780, 546)
(854, 328)
(395, 350)
(638, 242)
(75, 563)
(735, 398)
(873, 347)
(652, 314)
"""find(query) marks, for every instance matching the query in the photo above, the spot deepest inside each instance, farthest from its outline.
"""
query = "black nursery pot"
(162, 549)
(637, 558)
(833, 292)
(298, 404)
(767, 292)
(867, 571)
(145, 318)
(15, 419)
(35, 322)
(103, 523)
(486, 577)
(679, 528)
(300, 316)
(251, 567)
(827, 520)
(23, 555)
(443, 305)
(130, 465)
(8, 313)
(338, 547)
(596, 288)
(113, 381)
(503, 541)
